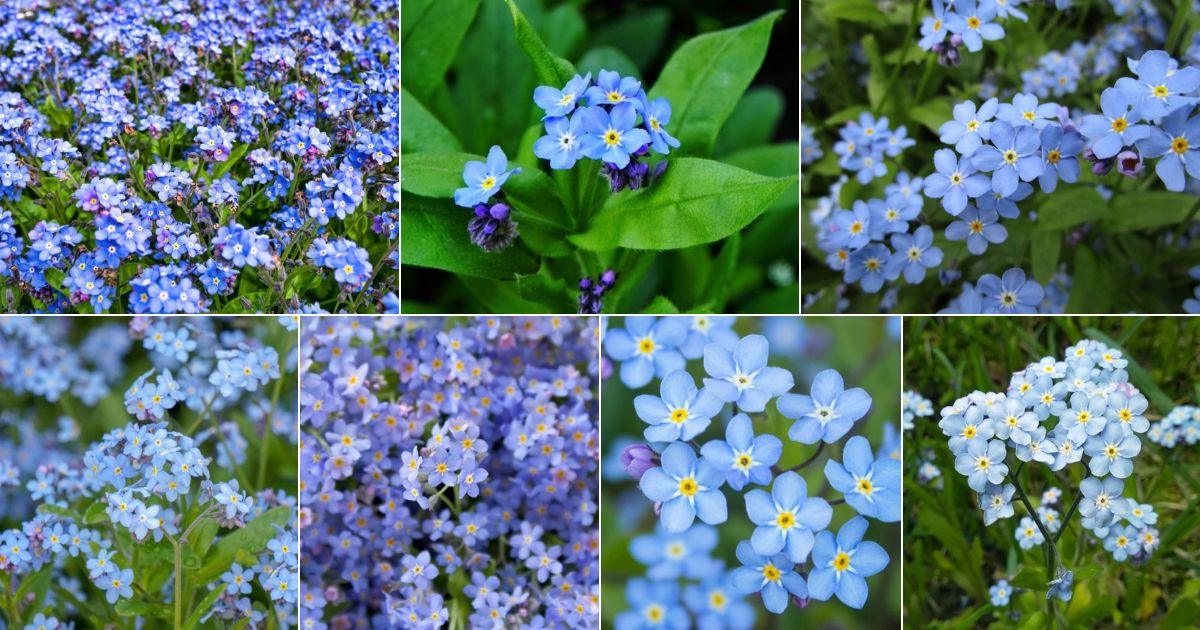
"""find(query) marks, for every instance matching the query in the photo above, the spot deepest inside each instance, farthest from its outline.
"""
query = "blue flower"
(1010, 294)
(955, 181)
(741, 376)
(1128, 412)
(687, 488)
(116, 585)
(653, 605)
(828, 413)
(715, 602)
(970, 127)
(1160, 88)
(1101, 501)
(1013, 159)
(1085, 417)
(852, 227)
(706, 329)
(1029, 535)
(561, 102)
(682, 413)
(561, 144)
(1115, 128)
(744, 457)
(772, 575)
(996, 502)
(657, 114)
(982, 463)
(669, 556)
(890, 216)
(1122, 542)
(973, 22)
(787, 519)
(978, 227)
(1178, 143)
(933, 28)
(869, 266)
(612, 89)
(1112, 451)
(914, 254)
(841, 565)
(647, 348)
(1000, 592)
(1060, 587)
(871, 487)
(483, 180)
(612, 137)
(1025, 111)
(1060, 152)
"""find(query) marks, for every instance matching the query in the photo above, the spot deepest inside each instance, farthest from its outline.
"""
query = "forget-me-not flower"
(841, 564)
(871, 486)
(788, 518)
(827, 413)
(686, 488)
(744, 457)
(955, 181)
(742, 376)
(646, 347)
(681, 413)
(483, 180)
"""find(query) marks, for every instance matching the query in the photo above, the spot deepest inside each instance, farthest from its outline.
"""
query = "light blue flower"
(1060, 587)
(914, 254)
(1011, 293)
(1000, 593)
(669, 556)
(1178, 143)
(561, 102)
(1112, 451)
(973, 22)
(1060, 152)
(612, 89)
(955, 181)
(982, 463)
(1038, 449)
(841, 565)
(1013, 159)
(978, 228)
(772, 575)
(483, 180)
(1161, 86)
(741, 376)
(1122, 542)
(1085, 417)
(996, 502)
(1012, 421)
(1141, 514)
(683, 411)
(706, 329)
(1115, 127)
(744, 457)
(686, 487)
(1024, 111)
(869, 267)
(970, 126)
(966, 428)
(561, 144)
(787, 519)
(612, 136)
(1101, 501)
(653, 605)
(1028, 534)
(646, 348)
(657, 114)
(717, 605)
(827, 413)
(871, 487)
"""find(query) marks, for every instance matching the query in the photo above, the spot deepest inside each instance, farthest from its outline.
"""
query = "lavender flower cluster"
(449, 473)
(186, 157)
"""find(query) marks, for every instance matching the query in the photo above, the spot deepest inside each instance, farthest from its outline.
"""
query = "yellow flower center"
(1053, 156)
(679, 416)
(770, 573)
(1119, 124)
(785, 520)
(1010, 157)
(864, 487)
(688, 487)
(841, 562)
(973, 22)
(1179, 145)
(488, 183)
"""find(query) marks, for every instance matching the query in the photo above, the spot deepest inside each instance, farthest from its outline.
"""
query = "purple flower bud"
(800, 602)
(608, 278)
(585, 284)
(500, 211)
(637, 459)
(1099, 167)
(1129, 163)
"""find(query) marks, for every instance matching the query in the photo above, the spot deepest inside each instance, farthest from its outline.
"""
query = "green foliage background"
(951, 559)
(868, 356)
(719, 232)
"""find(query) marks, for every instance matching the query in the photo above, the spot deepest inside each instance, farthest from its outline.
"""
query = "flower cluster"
(145, 487)
(912, 406)
(1100, 417)
(493, 228)
(1182, 425)
(958, 23)
(864, 144)
(180, 158)
(611, 120)
(794, 553)
(449, 473)
(592, 292)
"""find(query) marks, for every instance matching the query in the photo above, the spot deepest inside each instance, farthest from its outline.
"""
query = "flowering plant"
(571, 180)
(449, 473)
(1059, 492)
(736, 474)
(1006, 170)
(166, 157)
(158, 513)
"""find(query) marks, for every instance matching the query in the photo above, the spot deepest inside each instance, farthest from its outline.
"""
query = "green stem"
(1067, 519)
(178, 585)
(891, 84)
(1048, 542)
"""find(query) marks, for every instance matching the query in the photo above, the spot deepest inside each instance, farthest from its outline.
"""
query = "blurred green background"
(866, 351)
(951, 558)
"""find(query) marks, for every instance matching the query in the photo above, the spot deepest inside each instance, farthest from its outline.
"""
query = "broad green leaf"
(551, 69)
(696, 201)
(203, 607)
(202, 537)
(134, 608)
(535, 197)
(752, 122)
(46, 508)
(431, 33)
(1146, 210)
(812, 59)
(1045, 248)
(499, 297)
(639, 33)
(550, 292)
(564, 30)
(705, 78)
(605, 58)
(420, 130)
(1091, 289)
(1069, 207)
(434, 234)
(776, 160)
(720, 277)
(235, 156)
(877, 73)
(251, 539)
(932, 114)
(95, 514)
(661, 306)
(864, 11)
(438, 175)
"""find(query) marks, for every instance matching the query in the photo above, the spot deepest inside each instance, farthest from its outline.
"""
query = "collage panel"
(1050, 472)
(148, 472)
(449, 472)
(613, 156)
(752, 472)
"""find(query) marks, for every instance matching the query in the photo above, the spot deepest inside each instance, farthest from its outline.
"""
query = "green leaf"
(933, 114)
(605, 58)
(535, 196)
(251, 539)
(864, 11)
(776, 160)
(435, 175)
(1146, 210)
(431, 33)
(640, 33)
(203, 607)
(95, 514)
(551, 69)
(564, 30)
(434, 234)
(46, 508)
(705, 78)
(753, 121)
(1069, 207)
(1091, 290)
(1045, 248)
(661, 306)
(134, 608)
(695, 202)
(202, 536)
(36, 584)
(548, 291)
(721, 276)
(420, 130)
(235, 156)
